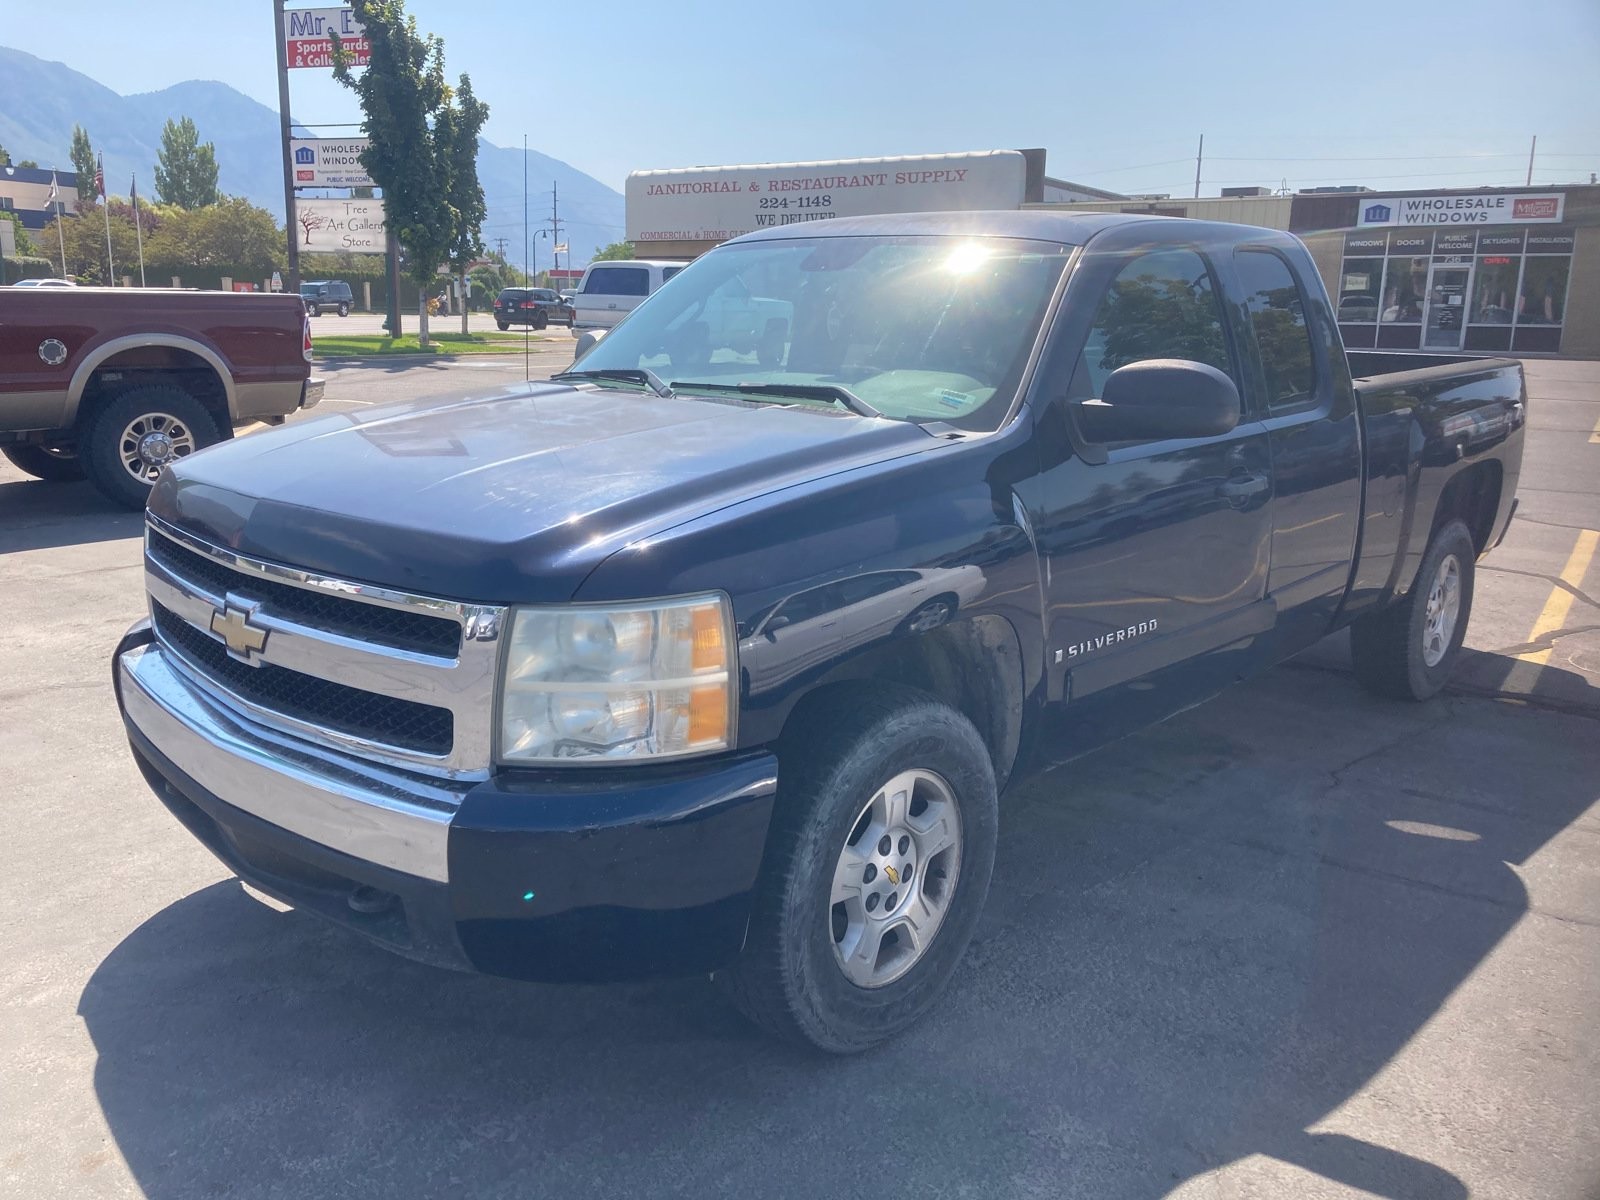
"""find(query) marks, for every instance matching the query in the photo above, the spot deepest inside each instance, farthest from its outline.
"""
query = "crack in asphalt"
(1554, 581)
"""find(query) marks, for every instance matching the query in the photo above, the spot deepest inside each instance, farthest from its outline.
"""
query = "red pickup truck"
(116, 383)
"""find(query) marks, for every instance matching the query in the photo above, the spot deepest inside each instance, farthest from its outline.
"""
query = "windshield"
(919, 328)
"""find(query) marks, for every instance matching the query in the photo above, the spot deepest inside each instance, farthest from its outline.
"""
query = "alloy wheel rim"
(931, 617)
(151, 442)
(895, 878)
(1443, 610)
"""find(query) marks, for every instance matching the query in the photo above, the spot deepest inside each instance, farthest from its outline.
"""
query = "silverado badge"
(233, 626)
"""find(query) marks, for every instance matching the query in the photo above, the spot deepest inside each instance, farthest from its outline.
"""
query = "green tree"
(24, 242)
(617, 250)
(232, 235)
(422, 142)
(186, 168)
(83, 163)
(5, 157)
(28, 164)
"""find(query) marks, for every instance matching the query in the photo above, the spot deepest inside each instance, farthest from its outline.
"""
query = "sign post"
(279, 38)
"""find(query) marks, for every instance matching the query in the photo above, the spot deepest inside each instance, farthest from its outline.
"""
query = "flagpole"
(55, 203)
(105, 207)
(133, 188)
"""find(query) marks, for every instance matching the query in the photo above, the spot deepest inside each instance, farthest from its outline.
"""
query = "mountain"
(43, 100)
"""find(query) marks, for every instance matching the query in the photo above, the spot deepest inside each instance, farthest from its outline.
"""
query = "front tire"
(1407, 651)
(138, 435)
(539, 321)
(877, 868)
(344, 310)
(49, 463)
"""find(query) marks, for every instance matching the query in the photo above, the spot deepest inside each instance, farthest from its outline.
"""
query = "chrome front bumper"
(383, 816)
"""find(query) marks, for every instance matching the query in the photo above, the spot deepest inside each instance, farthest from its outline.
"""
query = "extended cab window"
(1161, 305)
(1278, 316)
(618, 281)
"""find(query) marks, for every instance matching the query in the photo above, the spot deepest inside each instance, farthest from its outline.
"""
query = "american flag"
(100, 177)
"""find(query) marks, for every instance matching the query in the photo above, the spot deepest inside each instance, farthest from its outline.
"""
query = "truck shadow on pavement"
(35, 515)
(1199, 944)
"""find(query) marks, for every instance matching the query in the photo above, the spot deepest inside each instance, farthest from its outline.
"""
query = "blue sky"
(1394, 95)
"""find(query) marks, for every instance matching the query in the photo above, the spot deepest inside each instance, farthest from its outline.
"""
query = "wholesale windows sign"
(329, 162)
(1479, 208)
(308, 36)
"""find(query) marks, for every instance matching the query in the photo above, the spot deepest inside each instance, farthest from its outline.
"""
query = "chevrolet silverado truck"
(117, 384)
(717, 658)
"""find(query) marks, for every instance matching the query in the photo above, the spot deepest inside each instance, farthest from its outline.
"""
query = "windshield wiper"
(830, 392)
(625, 374)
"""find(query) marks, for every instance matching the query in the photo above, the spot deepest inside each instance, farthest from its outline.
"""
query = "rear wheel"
(1407, 651)
(502, 326)
(53, 464)
(877, 868)
(314, 310)
(138, 435)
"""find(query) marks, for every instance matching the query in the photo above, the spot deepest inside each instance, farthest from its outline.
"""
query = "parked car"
(534, 307)
(53, 283)
(611, 290)
(532, 707)
(327, 294)
(118, 383)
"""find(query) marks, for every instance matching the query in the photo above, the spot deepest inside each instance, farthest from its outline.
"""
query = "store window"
(1488, 290)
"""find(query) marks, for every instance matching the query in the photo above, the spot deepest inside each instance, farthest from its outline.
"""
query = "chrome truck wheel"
(895, 877)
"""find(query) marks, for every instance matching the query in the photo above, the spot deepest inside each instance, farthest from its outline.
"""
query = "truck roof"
(1045, 225)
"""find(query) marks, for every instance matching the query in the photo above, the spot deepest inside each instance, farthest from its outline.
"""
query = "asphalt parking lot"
(1298, 942)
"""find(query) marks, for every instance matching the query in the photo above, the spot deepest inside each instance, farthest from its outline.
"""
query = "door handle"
(1242, 487)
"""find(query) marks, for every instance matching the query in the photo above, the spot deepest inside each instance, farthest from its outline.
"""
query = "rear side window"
(618, 281)
(668, 272)
(1278, 316)
(1161, 305)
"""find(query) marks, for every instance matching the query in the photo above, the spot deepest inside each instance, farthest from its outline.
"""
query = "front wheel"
(344, 309)
(53, 464)
(141, 433)
(1407, 651)
(540, 320)
(877, 868)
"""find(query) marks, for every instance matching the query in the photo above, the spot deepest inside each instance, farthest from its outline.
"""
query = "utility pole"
(527, 274)
(1531, 150)
(500, 245)
(1198, 155)
(555, 230)
(284, 148)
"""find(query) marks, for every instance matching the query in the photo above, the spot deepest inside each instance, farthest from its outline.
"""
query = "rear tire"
(502, 326)
(46, 462)
(1407, 651)
(842, 967)
(132, 439)
(314, 311)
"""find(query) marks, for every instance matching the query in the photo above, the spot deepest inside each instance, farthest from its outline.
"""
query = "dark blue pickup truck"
(716, 653)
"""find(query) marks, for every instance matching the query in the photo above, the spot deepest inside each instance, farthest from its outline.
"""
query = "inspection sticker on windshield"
(954, 399)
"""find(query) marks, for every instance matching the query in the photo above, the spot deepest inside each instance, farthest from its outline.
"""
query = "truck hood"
(510, 497)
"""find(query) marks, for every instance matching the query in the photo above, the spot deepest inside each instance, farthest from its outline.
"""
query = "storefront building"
(1482, 271)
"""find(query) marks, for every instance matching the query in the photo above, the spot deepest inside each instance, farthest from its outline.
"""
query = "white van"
(611, 290)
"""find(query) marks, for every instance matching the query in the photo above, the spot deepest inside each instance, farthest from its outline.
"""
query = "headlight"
(613, 682)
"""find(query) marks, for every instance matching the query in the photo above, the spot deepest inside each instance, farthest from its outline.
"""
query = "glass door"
(1444, 321)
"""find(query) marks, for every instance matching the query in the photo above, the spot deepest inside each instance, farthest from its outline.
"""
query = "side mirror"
(587, 341)
(776, 624)
(1162, 398)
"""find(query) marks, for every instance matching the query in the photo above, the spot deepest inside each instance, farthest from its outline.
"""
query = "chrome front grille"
(401, 679)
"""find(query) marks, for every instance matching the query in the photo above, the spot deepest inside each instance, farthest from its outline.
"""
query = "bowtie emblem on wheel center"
(894, 876)
(243, 639)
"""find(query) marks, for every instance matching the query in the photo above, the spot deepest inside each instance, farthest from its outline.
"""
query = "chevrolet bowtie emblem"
(894, 876)
(233, 626)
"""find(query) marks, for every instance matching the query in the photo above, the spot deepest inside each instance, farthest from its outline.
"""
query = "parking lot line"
(1554, 613)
